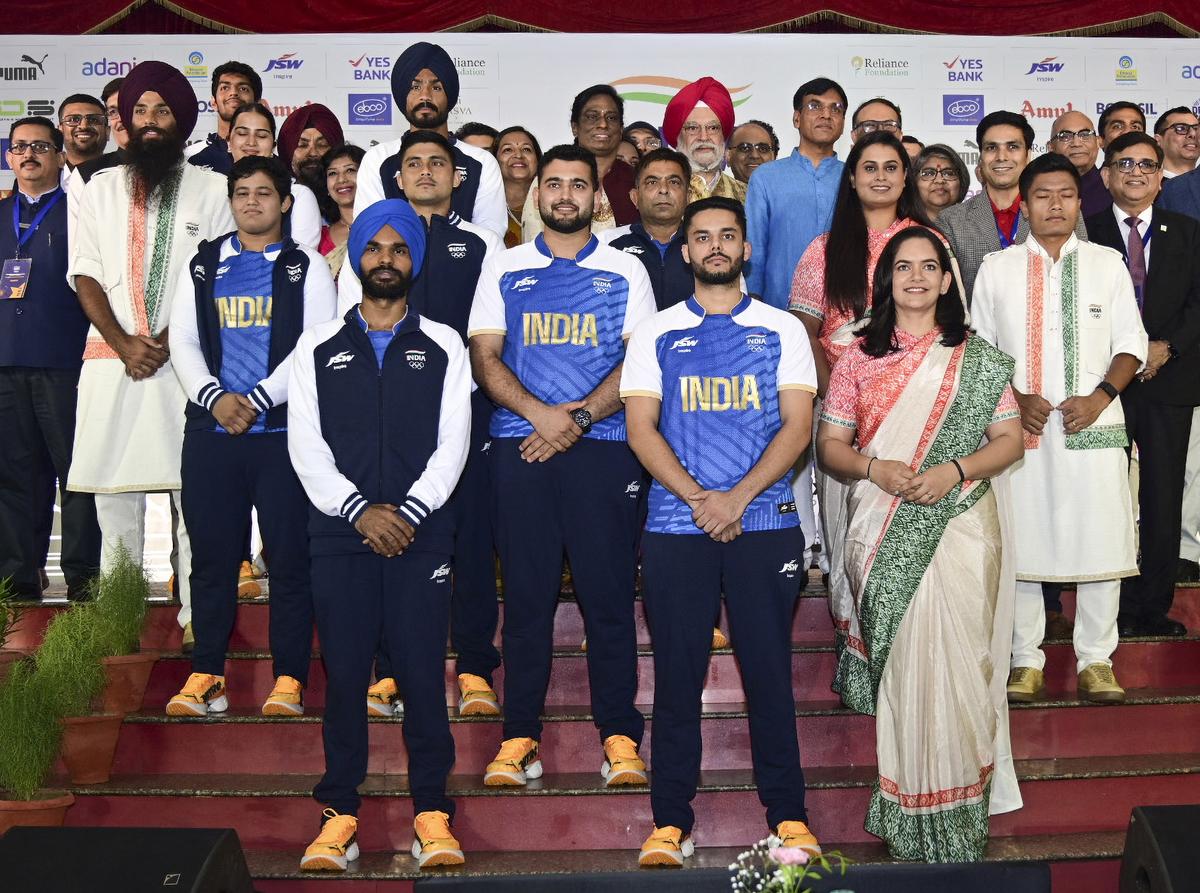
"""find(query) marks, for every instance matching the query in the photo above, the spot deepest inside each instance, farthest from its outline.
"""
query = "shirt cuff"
(209, 395)
(261, 399)
(413, 510)
(354, 506)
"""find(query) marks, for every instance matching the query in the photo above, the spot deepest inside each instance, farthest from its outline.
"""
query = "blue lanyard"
(1005, 241)
(23, 238)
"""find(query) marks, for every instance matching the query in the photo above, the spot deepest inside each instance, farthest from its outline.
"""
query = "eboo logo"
(370, 108)
(960, 109)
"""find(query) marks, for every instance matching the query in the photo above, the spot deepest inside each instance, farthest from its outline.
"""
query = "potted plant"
(68, 664)
(29, 739)
(10, 618)
(120, 597)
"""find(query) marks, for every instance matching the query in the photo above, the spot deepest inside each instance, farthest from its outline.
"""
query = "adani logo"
(959, 109)
(370, 108)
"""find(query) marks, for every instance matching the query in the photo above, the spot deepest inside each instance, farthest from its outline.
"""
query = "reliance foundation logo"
(1126, 73)
(370, 108)
(960, 109)
(660, 90)
(880, 67)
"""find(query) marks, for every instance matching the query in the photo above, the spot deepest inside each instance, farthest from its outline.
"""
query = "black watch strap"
(1112, 392)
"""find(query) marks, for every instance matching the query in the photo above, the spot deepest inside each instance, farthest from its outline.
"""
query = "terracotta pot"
(127, 679)
(47, 811)
(88, 746)
(7, 659)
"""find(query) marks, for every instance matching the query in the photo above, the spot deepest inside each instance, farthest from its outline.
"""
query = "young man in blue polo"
(241, 305)
(548, 329)
(378, 432)
(718, 395)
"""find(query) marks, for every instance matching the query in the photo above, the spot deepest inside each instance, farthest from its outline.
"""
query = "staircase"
(1082, 768)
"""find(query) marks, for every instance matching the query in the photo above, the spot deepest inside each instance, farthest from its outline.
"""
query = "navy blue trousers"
(407, 599)
(682, 577)
(223, 476)
(474, 610)
(582, 501)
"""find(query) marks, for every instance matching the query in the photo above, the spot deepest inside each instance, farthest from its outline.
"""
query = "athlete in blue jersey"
(547, 335)
(718, 391)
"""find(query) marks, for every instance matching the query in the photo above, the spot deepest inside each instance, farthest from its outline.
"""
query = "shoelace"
(621, 749)
(337, 831)
(513, 751)
(1104, 674)
(1022, 674)
(668, 835)
(198, 684)
(287, 685)
(432, 826)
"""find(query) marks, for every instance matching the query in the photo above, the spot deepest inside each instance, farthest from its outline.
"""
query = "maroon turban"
(314, 115)
(169, 83)
(708, 90)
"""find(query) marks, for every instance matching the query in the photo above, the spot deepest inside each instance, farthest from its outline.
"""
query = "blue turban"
(417, 58)
(393, 212)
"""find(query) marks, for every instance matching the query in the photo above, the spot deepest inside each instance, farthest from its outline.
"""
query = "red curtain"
(997, 17)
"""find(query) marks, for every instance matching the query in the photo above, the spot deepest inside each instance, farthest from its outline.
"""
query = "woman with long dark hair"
(830, 295)
(341, 182)
(919, 417)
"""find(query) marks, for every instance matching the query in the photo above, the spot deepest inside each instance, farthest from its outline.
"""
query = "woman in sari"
(907, 409)
(831, 296)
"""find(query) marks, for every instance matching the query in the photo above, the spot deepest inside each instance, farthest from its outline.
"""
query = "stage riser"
(609, 820)
(837, 740)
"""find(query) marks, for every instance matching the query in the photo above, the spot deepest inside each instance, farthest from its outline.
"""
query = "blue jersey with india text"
(719, 378)
(564, 321)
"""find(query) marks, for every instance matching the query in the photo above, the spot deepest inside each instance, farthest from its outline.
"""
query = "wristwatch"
(583, 419)
(1112, 392)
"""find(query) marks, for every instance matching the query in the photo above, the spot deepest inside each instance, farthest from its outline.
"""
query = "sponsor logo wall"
(943, 84)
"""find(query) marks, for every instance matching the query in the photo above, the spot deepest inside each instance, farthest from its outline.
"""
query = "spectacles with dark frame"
(747, 148)
(76, 120)
(890, 126)
(1066, 136)
(38, 147)
(1182, 129)
(1126, 165)
(949, 174)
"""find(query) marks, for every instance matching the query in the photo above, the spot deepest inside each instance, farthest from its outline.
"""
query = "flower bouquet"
(768, 867)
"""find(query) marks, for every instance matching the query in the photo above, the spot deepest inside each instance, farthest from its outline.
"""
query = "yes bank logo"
(371, 68)
(370, 108)
(962, 69)
(962, 109)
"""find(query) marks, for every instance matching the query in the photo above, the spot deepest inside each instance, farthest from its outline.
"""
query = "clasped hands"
(384, 530)
(1078, 412)
(925, 488)
(554, 431)
(718, 513)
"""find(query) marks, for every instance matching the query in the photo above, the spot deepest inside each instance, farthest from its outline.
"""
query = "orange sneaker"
(383, 699)
(433, 844)
(622, 765)
(286, 699)
(248, 582)
(796, 836)
(665, 848)
(335, 846)
(476, 697)
(201, 695)
(516, 763)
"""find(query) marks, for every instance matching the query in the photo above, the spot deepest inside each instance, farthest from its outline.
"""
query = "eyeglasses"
(594, 117)
(713, 128)
(113, 113)
(1126, 165)
(872, 126)
(834, 108)
(747, 148)
(1182, 129)
(1066, 136)
(76, 120)
(39, 147)
(949, 174)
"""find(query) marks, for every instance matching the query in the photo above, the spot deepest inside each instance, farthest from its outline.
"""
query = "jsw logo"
(790, 567)
(342, 357)
(441, 573)
(1046, 66)
(633, 488)
(286, 62)
(688, 341)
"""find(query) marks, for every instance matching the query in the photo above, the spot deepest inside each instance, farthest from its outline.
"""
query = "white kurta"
(1074, 516)
(129, 434)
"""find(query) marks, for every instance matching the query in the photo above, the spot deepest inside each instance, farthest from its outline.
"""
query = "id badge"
(14, 278)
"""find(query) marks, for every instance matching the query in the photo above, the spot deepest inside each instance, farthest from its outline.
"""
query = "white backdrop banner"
(943, 84)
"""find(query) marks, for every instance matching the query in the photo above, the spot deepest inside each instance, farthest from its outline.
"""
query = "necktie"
(1137, 258)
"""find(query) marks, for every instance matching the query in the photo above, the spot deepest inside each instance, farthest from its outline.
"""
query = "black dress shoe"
(1129, 628)
(1162, 626)
(1187, 571)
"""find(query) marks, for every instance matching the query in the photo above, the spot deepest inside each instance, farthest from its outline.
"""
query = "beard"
(384, 291)
(722, 278)
(311, 173)
(153, 161)
(581, 220)
(439, 116)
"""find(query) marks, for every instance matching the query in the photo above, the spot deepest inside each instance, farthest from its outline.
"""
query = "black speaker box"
(123, 860)
(1162, 850)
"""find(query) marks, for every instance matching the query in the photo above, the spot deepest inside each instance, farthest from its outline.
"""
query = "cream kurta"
(1070, 493)
(129, 434)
